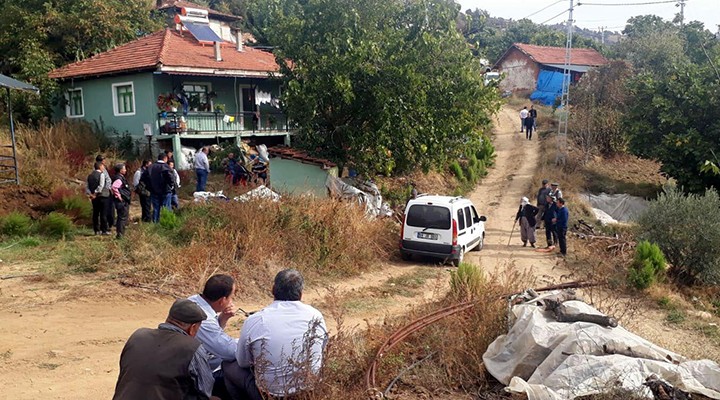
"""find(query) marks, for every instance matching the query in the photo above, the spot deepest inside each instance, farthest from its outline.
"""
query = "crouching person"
(167, 362)
(281, 347)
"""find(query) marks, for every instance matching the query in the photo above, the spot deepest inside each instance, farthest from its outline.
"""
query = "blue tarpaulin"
(549, 87)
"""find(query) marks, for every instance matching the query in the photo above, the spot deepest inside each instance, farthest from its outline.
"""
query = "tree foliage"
(40, 35)
(389, 85)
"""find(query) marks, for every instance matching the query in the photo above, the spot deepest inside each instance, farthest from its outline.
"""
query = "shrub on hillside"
(15, 224)
(466, 282)
(169, 220)
(57, 225)
(648, 265)
(75, 206)
(457, 171)
(687, 230)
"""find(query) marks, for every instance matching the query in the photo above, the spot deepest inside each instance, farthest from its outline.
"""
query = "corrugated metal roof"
(8, 82)
(574, 68)
(299, 155)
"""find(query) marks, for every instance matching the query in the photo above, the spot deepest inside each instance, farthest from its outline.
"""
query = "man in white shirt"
(281, 347)
(523, 114)
(202, 169)
(216, 302)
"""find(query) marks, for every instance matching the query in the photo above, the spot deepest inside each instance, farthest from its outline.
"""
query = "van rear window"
(425, 216)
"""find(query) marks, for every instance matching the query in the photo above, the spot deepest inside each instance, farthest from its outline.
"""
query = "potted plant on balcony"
(219, 108)
(168, 102)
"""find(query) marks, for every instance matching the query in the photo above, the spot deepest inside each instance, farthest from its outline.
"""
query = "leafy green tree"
(389, 85)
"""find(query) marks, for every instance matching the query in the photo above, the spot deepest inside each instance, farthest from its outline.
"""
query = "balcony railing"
(215, 122)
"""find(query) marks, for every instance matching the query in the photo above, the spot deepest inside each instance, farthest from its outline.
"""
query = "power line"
(550, 19)
(544, 8)
(628, 4)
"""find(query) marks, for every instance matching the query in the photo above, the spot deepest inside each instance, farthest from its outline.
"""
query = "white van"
(441, 226)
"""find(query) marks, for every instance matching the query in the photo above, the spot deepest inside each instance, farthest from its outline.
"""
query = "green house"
(193, 84)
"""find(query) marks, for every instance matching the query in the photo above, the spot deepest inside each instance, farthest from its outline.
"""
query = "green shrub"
(57, 225)
(169, 220)
(30, 241)
(676, 317)
(486, 154)
(467, 281)
(647, 267)
(75, 206)
(457, 171)
(687, 230)
(15, 224)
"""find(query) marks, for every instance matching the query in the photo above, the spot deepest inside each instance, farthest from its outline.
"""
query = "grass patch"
(676, 317)
(15, 224)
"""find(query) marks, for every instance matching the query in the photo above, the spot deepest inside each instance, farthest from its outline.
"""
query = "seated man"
(216, 303)
(167, 362)
(281, 347)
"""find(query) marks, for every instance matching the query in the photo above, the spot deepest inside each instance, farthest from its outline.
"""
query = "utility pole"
(681, 4)
(602, 34)
(564, 113)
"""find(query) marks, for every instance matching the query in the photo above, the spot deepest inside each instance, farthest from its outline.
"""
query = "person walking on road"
(523, 114)
(550, 217)
(541, 200)
(533, 114)
(561, 225)
(202, 169)
(526, 214)
(121, 197)
(529, 124)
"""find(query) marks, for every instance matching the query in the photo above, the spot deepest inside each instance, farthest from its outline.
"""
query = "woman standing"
(121, 197)
(526, 214)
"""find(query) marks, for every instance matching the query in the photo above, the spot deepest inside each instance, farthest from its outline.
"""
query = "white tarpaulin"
(621, 207)
(260, 192)
(372, 201)
(550, 360)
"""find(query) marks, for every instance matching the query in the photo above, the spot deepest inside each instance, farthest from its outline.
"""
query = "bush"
(647, 267)
(76, 206)
(687, 230)
(15, 224)
(57, 225)
(467, 281)
(457, 171)
(169, 220)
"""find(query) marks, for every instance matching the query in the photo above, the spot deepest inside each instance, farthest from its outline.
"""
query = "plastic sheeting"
(260, 192)
(549, 87)
(370, 198)
(550, 360)
(621, 207)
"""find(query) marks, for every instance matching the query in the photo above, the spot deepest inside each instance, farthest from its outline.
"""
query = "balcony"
(222, 124)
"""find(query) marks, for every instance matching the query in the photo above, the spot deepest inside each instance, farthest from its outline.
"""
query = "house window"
(74, 108)
(123, 99)
(198, 96)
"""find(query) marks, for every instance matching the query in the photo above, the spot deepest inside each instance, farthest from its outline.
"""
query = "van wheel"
(405, 255)
(456, 262)
(481, 243)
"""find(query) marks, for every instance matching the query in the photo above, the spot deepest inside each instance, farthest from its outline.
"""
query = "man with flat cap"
(167, 362)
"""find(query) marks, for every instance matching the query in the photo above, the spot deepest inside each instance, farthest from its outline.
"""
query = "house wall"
(98, 102)
(290, 176)
(520, 71)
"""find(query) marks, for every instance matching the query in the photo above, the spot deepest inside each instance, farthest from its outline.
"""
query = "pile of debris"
(366, 194)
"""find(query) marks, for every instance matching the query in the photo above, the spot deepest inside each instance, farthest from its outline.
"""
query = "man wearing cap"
(541, 201)
(281, 347)
(555, 191)
(167, 362)
(561, 225)
(526, 214)
(550, 216)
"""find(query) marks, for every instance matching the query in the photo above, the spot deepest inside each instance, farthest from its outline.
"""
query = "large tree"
(387, 84)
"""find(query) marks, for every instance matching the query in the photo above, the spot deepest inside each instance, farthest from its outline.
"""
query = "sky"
(591, 17)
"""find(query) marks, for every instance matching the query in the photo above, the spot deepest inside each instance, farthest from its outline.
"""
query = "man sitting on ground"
(167, 362)
(281, 347)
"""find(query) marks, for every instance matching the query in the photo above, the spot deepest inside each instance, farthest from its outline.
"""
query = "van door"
(429, 224)
(474, 234)
(463, 228)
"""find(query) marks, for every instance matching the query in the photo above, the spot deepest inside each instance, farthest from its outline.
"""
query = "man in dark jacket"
(121, 197)
(109, 209)
(561, 224)
(541, 201)
(141, 185)
(549, 217)
(100, 196)
(526, 215)
(162, 182)
(166, 363)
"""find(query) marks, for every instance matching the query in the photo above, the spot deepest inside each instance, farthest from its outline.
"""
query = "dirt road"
(62, 340)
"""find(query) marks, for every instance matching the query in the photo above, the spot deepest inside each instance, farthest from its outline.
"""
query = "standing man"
(216, 302)
(167, 362)
(533, 114)
(541, 199)
(523, 115)
(161, 184)
(529, 123)
(555, 191)
(281, 347)
(99, 197)
(170, 157)
(550, 216)
(107, 183)
(526, 214)
(121, 196)
(141, 180)
(175, 202)
(561, 224)
(202, 168)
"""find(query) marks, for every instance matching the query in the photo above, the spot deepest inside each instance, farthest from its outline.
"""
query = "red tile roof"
(299, 155)
(168, 48)
(178, 4)
(556, 55)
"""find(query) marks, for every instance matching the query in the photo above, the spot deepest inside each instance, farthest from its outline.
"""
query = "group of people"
(551, 211)
(236, 169)
(278, 353)
(528, 121)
